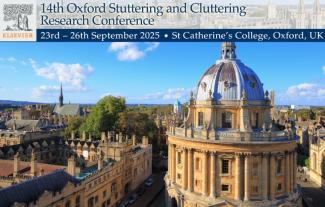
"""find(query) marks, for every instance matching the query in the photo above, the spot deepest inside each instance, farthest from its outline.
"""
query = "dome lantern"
(228, 50)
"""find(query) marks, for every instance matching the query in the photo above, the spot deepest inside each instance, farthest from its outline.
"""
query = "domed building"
(228, 152)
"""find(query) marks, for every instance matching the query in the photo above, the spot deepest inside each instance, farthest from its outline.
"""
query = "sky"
(152, 73)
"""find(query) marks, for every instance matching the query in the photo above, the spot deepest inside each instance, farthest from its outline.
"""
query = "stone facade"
(228, 152)
(317, 157)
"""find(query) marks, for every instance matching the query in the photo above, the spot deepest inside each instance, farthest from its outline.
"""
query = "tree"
(104, 115)
(73, 125)
(137, 123)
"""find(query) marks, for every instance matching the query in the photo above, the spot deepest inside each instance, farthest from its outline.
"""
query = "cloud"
(323, 70)
(73, 75)
(129, 51)
(170, 94)
(53, 90)
(45, 90)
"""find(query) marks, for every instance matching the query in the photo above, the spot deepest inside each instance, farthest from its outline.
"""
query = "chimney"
(72, 165)
(89, 136)
(33, 164)
(103, 137)
(134, 140)
(100, 160)
(117, 138)
(73, 135)
(84, 136)
(109, 135)
(16, 164)
(120, 137)
(145, 141)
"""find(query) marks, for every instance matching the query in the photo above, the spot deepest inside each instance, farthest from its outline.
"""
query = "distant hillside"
(16, 103)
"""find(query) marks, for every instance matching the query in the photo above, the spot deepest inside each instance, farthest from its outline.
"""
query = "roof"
(67, 109)
(228, 78)
(7, 167)
(31, 190)
(25, 125)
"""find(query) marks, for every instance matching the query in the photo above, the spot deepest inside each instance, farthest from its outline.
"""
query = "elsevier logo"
(16, 17)
(18, 20)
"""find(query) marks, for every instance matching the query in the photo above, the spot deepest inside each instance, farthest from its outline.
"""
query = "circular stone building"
(228, 152)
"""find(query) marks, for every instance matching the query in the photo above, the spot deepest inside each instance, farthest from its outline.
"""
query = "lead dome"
(228, 78)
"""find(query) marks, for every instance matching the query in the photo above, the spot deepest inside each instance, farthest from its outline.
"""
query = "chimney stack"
(72, 165)
(16, 164)
(103, 137)
(33, 164)
(73, 135)
(134, 140)
(100, 160)
(84, 136)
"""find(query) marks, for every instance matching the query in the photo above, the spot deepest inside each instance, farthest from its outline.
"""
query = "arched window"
(200, 119)
(226, 120)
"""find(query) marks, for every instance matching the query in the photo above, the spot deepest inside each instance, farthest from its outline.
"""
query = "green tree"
(104, 115)
(137, 123)
(73, 125)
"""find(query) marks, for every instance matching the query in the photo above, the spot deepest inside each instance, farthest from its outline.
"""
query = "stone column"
(218, 181)
(287, 173)
(247, 178)
(173, 164)
(265, 175)
(169, 161)
(205, 173)
(213, 174)
(272, 177)
(190, 168)
(184, 173)
(294, 169)
(291, 171)
(238, 177)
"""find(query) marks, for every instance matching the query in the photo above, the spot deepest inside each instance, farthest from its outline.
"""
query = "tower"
(316, 15)
(301, 17)
(61, 96)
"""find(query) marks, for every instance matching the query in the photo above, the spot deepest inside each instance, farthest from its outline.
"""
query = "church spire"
(228, 50)
(316, 7)
(61, 96)
(301, 7)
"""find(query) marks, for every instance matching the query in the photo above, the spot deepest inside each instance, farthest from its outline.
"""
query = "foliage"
(136, 123)
(152, 110)
(303, 160)
(73, 125)
(104, 115)
(307, 114)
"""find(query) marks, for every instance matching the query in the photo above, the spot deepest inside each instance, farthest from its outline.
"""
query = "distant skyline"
(152, 73)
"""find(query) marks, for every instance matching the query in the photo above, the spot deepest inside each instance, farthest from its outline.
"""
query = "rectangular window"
(104, 193)
(226, 120)
(279, 166)
(279, 187)
(179, 176)
(197, 164)
(200, 118)
(225, 188)
(179, 158)
(91, 202)
(255, 169)
(225, 167)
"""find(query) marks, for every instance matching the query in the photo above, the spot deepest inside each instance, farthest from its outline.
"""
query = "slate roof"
(31, 190)
(67, 109)
(25, 125)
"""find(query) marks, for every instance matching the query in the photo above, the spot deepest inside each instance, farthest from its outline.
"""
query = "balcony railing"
(231, 135)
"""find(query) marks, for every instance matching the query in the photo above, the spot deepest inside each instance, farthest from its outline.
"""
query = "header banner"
(68, 20)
